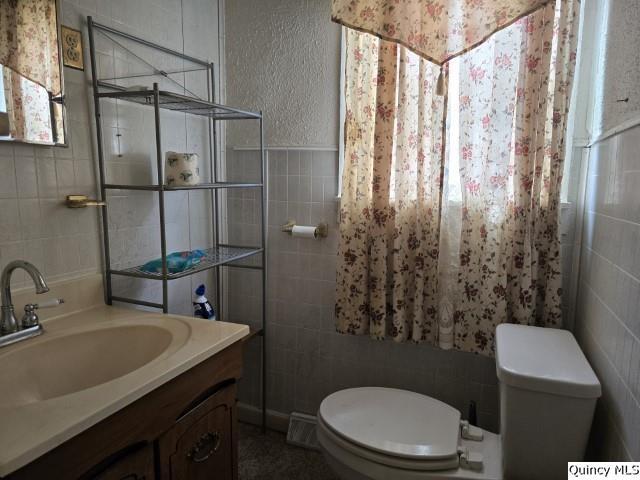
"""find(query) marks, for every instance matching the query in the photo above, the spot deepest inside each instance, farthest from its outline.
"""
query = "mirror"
(31, 76)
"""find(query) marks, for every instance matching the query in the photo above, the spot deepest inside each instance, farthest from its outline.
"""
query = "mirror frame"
(62, 96)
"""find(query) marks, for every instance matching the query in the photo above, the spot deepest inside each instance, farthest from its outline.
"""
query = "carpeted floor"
(269, 457)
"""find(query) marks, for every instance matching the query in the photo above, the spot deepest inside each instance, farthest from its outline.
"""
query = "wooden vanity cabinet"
(185, 429)
(201, 444)
(137, 465)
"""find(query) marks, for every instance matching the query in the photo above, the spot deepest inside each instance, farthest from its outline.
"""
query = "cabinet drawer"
(201, 445)
(136, 465)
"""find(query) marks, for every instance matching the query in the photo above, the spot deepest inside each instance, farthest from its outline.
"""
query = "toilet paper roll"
(182, 169)
(303, 232)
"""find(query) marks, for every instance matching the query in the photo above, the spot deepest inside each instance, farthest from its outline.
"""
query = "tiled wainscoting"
(306, 358)
(607, 313)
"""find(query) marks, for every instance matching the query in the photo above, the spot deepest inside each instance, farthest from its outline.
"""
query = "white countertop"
(29, 430)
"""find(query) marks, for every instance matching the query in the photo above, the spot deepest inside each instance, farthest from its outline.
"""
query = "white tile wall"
(35, 225)
(307, 359)
(607, 320)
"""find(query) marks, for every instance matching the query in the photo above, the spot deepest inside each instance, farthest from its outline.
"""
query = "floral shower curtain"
(490, 225)
(391, 192)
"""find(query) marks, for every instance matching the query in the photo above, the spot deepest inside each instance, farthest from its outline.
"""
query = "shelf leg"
(215, 198)
(163, 236)
(99, 144)
(265, 197)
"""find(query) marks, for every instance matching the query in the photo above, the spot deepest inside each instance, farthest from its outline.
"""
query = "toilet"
(548, 393)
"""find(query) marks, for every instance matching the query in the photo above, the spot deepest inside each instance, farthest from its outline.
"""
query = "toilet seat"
(421, 438)
(380, 458)
(393, 427)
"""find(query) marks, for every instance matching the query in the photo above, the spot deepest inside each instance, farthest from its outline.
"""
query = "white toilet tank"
(548, 393)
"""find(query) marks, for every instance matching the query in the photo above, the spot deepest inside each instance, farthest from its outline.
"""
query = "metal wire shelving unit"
(219, 254)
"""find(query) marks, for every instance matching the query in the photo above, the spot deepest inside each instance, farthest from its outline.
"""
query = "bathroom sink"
(52, 367)
(88, 365)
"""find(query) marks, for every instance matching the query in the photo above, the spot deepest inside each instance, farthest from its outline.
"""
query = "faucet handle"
(30, 317)
(54, 302)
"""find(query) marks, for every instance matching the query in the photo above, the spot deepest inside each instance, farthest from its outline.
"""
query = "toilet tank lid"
(545, 360)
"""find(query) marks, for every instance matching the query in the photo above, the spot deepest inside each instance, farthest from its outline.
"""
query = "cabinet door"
(202, 444)
(137, 465)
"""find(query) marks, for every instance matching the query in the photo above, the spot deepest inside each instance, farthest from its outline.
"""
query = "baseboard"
(275, 420)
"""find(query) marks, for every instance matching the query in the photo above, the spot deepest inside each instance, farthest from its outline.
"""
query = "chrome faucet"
(10, 330)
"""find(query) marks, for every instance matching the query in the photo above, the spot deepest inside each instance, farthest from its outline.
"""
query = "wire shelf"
(221, 255)
(177, 103)
(166, 188)
(214, 257)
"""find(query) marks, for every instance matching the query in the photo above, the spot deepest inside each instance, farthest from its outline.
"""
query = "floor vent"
(302, 431)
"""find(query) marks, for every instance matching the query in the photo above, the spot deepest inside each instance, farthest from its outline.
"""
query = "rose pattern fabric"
(391, 192)
(512, 104)
(28, 109)
(29, 41)
(437, 30)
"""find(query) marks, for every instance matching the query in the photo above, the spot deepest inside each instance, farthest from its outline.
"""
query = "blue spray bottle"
(201, 306)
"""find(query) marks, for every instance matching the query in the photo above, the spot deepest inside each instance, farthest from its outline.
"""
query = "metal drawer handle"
(208, 444)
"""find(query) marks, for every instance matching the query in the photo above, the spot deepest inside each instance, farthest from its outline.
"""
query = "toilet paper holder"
(321, 229)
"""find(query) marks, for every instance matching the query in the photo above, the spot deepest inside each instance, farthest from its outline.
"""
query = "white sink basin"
(89, 364)
(47, 368)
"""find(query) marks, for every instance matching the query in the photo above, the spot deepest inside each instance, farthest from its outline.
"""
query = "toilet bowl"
(548, 393)
(390, 434)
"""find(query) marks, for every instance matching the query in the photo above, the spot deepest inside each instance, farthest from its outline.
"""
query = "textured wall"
(621, 63)
(283, 57)
(607, 323)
